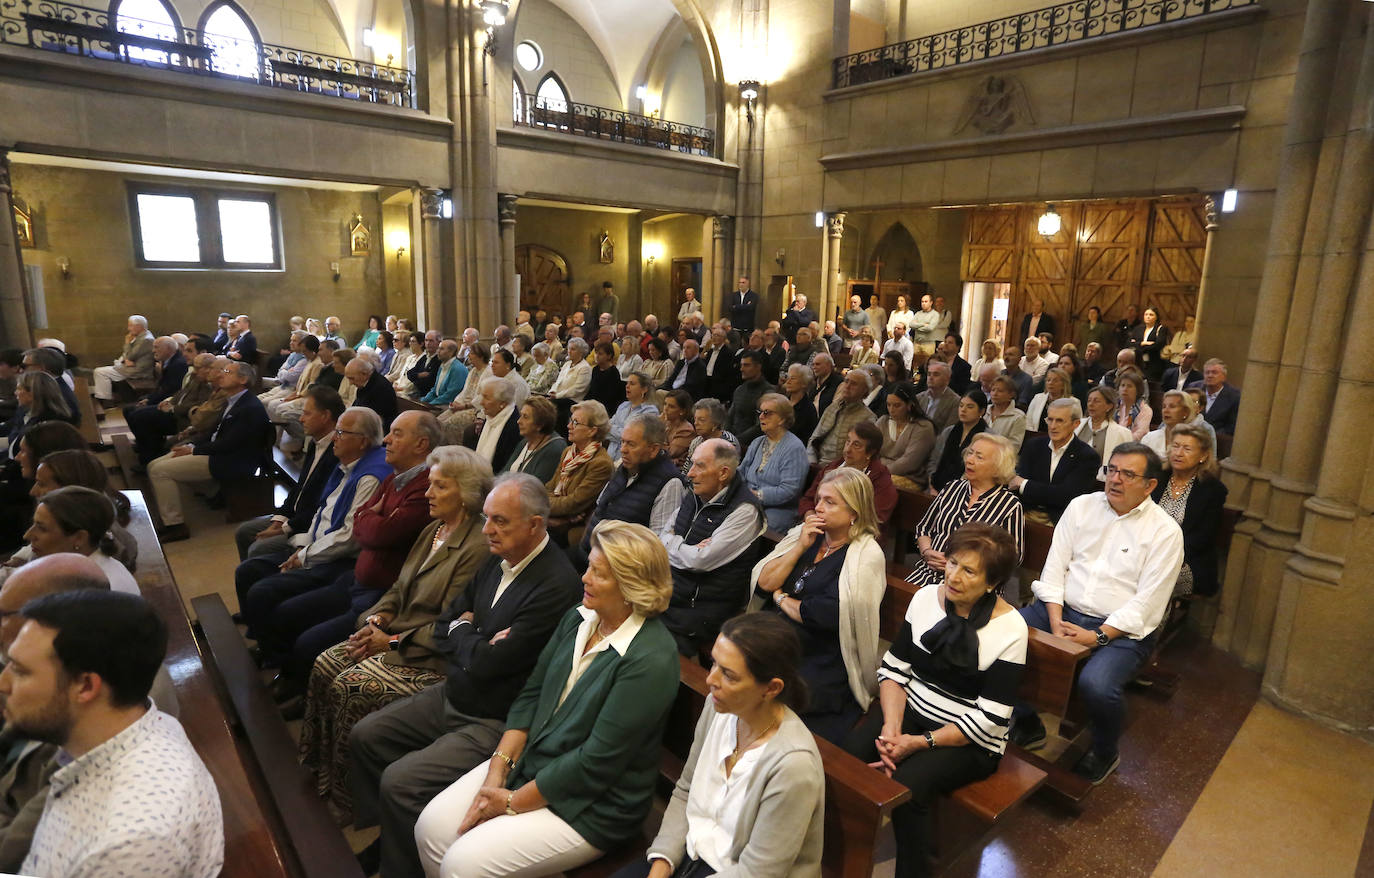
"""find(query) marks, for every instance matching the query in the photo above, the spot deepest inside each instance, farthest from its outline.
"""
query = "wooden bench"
(324, 850)
(257, 843)
(90, 425)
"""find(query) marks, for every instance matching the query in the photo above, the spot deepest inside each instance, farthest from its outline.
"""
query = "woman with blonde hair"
(1178, 408)
(981, 495)
(991, 356)
(574, 773)
(583, 470)
(392, 653)
(827, 577)
(863, 352)
(1195, 498)
(1058, 385)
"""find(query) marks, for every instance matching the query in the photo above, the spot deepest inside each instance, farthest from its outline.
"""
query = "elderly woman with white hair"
(638, 390)
(981, 495)
(827, 577)
(1178, 407)
(544, 370)
(392, 654)
(134, 364)
(708, 420)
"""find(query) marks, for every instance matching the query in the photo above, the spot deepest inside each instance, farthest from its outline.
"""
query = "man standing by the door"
(743, 303)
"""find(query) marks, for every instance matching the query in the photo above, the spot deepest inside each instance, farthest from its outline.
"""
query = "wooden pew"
(254, 839)
(90, 426)
(309, 829)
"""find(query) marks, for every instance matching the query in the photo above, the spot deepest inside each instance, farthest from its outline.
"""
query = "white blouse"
(715, 801)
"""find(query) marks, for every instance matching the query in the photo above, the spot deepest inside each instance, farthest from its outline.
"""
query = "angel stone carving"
(998, 103)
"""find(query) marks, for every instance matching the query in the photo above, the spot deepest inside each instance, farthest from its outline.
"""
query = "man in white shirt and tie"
(1106, 585)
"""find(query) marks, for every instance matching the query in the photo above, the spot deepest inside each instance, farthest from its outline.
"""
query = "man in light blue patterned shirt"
(131, 798)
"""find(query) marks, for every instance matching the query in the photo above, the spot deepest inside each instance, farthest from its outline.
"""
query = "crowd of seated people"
(476, 523)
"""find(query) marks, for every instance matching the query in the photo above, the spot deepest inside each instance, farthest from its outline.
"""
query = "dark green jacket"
(595, 758)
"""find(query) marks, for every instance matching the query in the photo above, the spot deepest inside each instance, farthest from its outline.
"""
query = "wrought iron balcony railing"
(1052, 26)
(603, 123)
(81, 30)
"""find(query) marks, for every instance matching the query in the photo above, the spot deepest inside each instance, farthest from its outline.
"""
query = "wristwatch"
(930, 740)
(1102, 639)
(394, 643)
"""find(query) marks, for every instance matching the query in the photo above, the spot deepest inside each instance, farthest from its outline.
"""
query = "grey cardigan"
(781, 829)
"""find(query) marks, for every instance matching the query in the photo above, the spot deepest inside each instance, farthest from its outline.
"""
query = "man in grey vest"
(646, 488)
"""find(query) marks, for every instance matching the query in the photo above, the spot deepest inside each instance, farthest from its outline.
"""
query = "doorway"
(686, 273)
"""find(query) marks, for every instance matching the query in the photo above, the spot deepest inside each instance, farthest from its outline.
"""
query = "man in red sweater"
(385, 528)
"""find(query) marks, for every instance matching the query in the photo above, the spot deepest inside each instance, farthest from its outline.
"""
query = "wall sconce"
(64, 265)
(1049, 223)
(400, 251)
(1228, 201)
(749, 91)
(399, 241)
(494, 14)
(334, 267)
(820, 219)
(653, 251)
(780, 257)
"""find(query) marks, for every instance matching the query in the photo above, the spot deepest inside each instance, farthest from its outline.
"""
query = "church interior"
(455, 163)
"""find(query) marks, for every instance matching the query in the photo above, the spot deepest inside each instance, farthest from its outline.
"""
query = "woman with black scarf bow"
(947, 686)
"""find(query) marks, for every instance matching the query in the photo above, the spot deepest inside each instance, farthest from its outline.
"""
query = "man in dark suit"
(1037, 321)
(426, 369)
(233, 450)
(374, 391)
(774, 354)
(690, 374)
(171, 371)
(828, 380)
(1056, 467)
(741, 306)
(722, 369)
(1221, 401)
(268, 534)
(244, 347)
(796, 317)
(411, 750)
(220, 341)
(960, 372)
(1180, 376)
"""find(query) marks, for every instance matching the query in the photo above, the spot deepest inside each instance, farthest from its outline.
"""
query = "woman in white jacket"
(828, 576)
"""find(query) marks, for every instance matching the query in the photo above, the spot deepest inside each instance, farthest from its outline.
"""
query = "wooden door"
(544, 279)
(686, 272)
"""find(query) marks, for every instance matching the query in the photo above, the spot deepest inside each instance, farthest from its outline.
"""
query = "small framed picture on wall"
(359, 238)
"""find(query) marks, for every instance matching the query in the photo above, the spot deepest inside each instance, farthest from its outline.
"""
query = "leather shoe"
(173, 533)
(1028, 734)
(1095, 768)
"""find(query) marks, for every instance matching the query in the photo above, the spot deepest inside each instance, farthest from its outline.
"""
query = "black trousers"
(688, 868)
(929, 774)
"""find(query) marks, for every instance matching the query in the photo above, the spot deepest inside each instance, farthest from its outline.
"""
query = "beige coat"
(584, 485)
(428, 583)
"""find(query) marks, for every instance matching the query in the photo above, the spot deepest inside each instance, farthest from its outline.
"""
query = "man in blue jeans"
(1106, 584)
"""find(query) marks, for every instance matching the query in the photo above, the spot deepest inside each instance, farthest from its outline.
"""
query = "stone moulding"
(1213, 119)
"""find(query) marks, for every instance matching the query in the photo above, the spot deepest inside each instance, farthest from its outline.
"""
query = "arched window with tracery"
(229, 33)
(147, 18)
(551, 103)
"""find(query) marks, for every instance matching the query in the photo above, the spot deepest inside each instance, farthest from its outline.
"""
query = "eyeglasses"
(574, 422)
(338, 433)
(1125, 474)
(766, 412)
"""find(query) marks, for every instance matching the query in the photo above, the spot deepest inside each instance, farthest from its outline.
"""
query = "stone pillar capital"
(834, 223)
(431, 204)
(505, 207)
(722, 226)
(1213, 216)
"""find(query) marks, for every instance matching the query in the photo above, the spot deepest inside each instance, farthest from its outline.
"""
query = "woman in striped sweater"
(946, 687)
(981, 495)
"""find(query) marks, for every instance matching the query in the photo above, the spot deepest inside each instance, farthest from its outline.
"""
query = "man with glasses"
(1106, 585)
(232, 451)
(327, 548)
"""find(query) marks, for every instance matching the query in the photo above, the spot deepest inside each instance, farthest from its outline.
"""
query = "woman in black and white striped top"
(947, 686)
(981, 495)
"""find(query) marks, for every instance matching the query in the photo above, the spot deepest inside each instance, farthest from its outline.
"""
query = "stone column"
(1199, 327)
(510, 307)
(978, 318)
(834, 293)
(429, 304)
(718, 287)
(14, 303)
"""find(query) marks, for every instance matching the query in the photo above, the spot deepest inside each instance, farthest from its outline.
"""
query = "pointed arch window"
(148, 18)
(518, 99)
(551, 103)
(228, 32)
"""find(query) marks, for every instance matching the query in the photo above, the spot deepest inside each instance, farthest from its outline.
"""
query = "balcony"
(617, 126)
(1072, 22)
(79, 30)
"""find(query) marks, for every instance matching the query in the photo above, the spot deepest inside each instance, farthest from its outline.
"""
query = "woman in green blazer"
(574, 773)
(539, 448)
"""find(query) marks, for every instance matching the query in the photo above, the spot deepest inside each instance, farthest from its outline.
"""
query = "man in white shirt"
(1032, 363)
(1106, 584)
(131, 797)
(900, 343)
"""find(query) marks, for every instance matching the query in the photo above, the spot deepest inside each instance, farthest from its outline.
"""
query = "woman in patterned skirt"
(392, 654)
(981, 495)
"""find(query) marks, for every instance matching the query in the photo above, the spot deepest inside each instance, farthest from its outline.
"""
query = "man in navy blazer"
(233, 450)
(1221, 400)
(244, 347)
(1057, 467)
(690, 374)
(741, 306)
(221, 337)
(1180, 376)
(796, 317)
(405, 754)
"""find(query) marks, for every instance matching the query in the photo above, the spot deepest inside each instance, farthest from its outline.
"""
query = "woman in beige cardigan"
(392, 654)
(583, 470)
(828, 576)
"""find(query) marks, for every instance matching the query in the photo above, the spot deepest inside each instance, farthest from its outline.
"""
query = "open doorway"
(686, 273)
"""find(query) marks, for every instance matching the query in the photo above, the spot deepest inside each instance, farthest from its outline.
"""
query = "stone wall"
(568, 52)
(573, 234)
(84, 218)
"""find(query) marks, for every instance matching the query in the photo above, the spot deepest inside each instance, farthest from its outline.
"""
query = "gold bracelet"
(510, 763)
(510, 809)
